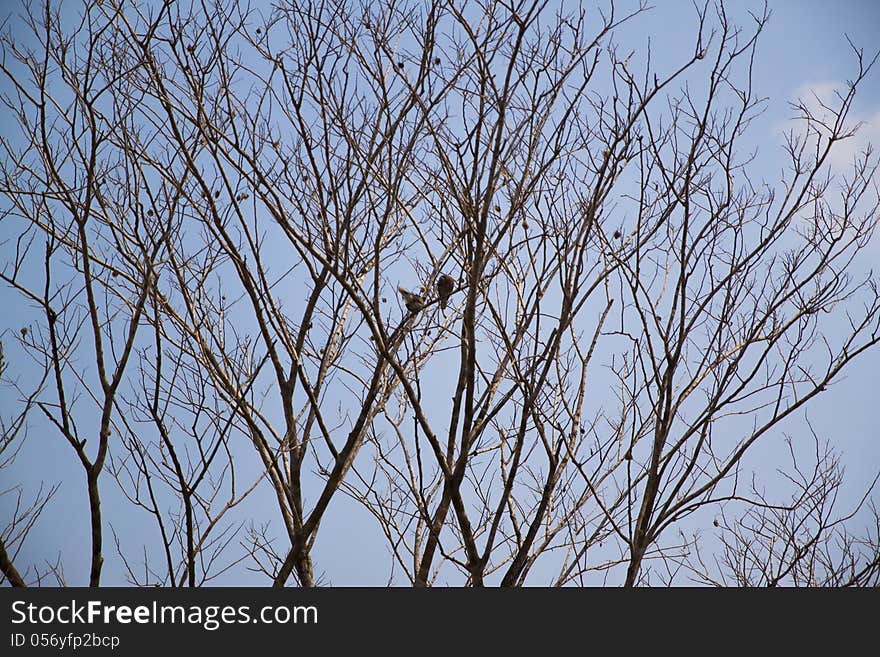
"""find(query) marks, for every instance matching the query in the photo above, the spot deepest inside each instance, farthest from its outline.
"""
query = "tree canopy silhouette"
(208, 212)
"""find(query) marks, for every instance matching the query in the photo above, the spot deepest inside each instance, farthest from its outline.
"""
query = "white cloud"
(822, 99)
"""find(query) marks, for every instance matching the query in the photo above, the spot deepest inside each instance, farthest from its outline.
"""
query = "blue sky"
(803, 49)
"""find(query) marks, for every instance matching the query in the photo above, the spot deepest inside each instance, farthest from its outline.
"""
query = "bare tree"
(517, 296)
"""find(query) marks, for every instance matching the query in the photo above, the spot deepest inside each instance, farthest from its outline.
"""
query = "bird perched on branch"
(414, 302)
(445, 285)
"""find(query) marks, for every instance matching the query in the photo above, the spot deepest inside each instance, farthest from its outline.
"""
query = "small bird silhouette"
(414, 302)
(444, 288)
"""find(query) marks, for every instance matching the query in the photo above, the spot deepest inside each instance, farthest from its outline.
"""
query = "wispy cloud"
(821, 99)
